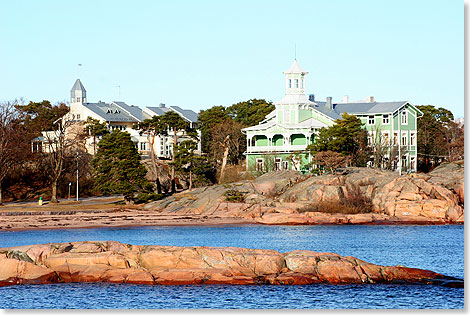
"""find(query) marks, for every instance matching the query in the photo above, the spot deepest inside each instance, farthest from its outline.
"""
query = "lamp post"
(70, 185)
(77, 175)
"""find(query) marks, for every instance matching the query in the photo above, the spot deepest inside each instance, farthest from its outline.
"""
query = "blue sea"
(437, 248)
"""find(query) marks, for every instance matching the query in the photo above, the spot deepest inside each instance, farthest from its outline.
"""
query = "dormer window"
(296, 83)
(290, 83)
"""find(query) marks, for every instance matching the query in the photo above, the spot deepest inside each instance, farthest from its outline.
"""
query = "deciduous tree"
(14, 140)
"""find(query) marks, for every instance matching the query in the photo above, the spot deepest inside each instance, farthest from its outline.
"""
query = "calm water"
(438, 248)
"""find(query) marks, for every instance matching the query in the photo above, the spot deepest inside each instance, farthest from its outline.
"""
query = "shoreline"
(140, 218)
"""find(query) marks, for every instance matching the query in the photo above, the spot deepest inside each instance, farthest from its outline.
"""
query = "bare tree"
(330, 160)
(14, 141)
(65, 141)
(227, 143)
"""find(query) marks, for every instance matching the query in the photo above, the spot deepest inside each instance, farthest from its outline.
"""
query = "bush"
(353, 202)
(233, 195)
(147, 197)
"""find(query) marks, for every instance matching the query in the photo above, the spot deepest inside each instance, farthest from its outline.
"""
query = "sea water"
(437, 248)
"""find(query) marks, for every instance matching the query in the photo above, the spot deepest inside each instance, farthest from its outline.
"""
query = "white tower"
(78, 93)
(295, 79)
(77, 99)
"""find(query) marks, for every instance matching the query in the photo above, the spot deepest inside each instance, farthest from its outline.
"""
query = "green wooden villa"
(280, 140)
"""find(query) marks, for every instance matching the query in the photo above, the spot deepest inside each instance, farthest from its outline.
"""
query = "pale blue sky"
(197, 54)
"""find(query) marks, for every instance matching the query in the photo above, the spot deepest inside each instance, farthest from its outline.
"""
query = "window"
(370, 138)
(286, 116)
(78, 99)
(371, 120)
(395, 138)
(385, 138)
(143, 146)
(404, 138)
(296, 83)
(259, 165)
(290, 83)
(413, 138)
(285, 165)
(302, 84)
(37, 146)
(277, 164)
(78, 116)
(404, 117)
(385, 120)
(412, 163)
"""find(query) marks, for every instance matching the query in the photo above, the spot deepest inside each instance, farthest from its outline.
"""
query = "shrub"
(147, 197)
(353, 202)
(233, 195)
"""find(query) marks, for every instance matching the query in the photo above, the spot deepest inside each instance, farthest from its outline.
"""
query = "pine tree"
(117, 167)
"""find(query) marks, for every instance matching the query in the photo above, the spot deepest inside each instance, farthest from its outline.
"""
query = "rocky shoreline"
(285, 197)
(279, 198)
(114, 262)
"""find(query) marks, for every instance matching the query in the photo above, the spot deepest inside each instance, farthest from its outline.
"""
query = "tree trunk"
(224, 161)
(190, 181)
(159, 186)
(151, 141)
(1, 198)
(173, 182)
(54, 192)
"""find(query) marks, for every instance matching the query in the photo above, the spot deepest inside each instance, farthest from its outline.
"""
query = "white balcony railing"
(284, 148)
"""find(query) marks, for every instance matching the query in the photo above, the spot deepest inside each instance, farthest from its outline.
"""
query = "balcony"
(284, 148)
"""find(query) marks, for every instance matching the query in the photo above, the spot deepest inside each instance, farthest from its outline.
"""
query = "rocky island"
(114, 262)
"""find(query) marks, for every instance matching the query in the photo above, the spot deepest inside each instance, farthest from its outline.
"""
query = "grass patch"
(352, 202)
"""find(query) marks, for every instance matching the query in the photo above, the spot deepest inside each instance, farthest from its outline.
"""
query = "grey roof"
(131, 109)
(110, 112)
(186, 113)
(159, 110)
(78, 86)
(358, 108)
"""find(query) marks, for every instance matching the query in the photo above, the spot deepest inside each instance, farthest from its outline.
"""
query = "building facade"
(121, 116)
(280, 140)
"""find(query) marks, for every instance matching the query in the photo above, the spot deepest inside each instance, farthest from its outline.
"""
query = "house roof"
(134, 111)
(110, 112)
(295, 68)
(157, 110)
(186, 113)
(358, 108)
(78, 86)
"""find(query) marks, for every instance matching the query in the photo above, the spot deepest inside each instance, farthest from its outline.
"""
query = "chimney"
(329, 103)
(370, 99)
(311, 97)
(346, 99)
(161, 105)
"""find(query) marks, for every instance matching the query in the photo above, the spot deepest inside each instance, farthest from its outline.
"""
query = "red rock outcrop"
(277, 197)
(170, 265)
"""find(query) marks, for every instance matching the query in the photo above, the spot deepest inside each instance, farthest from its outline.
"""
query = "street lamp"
(70, 185)
(77, 175)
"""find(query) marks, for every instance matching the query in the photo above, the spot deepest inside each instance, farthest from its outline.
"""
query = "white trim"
(404, 133)
(405, 111)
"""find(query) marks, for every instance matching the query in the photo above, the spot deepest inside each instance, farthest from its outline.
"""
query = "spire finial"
(295, 51)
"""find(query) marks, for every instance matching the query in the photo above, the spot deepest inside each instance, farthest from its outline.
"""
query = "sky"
(197, 54)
